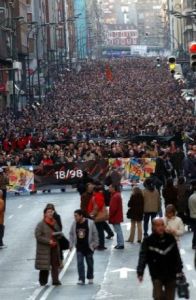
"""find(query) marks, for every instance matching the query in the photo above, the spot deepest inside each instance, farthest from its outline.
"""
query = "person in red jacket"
(116, 214)
(96, 205)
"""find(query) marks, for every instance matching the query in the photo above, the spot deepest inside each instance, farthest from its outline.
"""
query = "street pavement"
(115, 276)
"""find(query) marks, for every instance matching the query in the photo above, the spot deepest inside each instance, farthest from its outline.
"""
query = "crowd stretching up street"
(138, 98)
(96, 112)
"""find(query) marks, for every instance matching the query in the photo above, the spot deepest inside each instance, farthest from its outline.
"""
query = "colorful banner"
(133, 170)
(127, 171)
(21, 179)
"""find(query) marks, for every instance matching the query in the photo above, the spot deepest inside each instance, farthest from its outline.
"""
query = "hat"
(1, 170)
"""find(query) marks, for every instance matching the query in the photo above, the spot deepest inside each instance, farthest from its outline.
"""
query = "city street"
(115, 276)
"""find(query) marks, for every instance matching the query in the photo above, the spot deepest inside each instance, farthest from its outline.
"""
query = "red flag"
(108, 73)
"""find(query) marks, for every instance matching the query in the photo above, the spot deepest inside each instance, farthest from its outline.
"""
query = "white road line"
(36, 293)
(189, 267)
(194, 282)
(20, 206)
(49, 290)
(10, 217)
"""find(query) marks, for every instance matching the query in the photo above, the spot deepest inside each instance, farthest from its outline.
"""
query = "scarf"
(51, 223)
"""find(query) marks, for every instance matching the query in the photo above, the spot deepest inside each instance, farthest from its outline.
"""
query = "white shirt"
(175, 223)
(192, 205)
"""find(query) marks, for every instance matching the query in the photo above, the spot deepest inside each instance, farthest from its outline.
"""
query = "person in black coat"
(82, 183)
(160, 252)
(160, 169)
(135, 213)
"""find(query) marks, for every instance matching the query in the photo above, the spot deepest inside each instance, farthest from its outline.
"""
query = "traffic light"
(158, 62)
(172, 64)
(192, 51)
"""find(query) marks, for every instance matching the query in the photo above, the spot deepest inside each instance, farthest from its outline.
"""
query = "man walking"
(116, 214)
(192, 209)
(160, 252)
(84, 236)
(2, 211)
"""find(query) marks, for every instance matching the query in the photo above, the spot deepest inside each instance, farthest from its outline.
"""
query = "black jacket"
(162, 256)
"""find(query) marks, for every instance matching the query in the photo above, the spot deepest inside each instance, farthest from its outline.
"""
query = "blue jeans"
(81, 267)
(147, 217)
(120, 238)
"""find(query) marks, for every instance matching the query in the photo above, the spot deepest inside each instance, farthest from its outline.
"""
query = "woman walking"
(135, 213)
(47, 248)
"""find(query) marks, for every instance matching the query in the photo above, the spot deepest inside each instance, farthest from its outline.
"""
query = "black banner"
(69, 173)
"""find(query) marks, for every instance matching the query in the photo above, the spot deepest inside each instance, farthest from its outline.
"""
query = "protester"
(116, 214)
(177, 161)
(85, 198)
(47, 248)
(173, 224)
(169, 193)
(189, 166)
(2, 227)
(192, 208)
(135, 213)
(182, 199)
(132, 98)
(4, 181)
(160, 252)
(41, 135)
(151, 203)
(57, 218)
(98, 212)
(84, 236)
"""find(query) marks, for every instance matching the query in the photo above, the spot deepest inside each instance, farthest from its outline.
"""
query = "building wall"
(150, 23)
(81, 28)
(189, 29)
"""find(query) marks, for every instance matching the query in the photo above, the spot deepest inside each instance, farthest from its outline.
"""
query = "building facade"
(121, 35)
(150, 27)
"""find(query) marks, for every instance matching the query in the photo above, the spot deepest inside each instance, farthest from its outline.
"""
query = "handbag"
(129, 214)
(61, 239)
(102, 215)
(63, 243)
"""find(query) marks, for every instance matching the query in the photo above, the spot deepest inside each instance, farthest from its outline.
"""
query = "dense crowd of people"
(137, 99)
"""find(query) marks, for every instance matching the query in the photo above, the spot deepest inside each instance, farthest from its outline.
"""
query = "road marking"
(194, 282)
(123, 272)
(182, 251)
(20, 206)
(10, 217)
(189, 267)
(49, 289)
